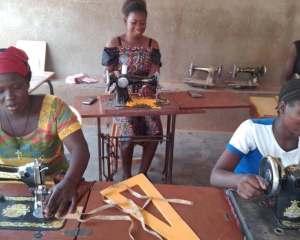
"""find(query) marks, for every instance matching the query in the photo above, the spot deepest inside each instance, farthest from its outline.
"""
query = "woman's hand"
(146, 92)
(63, 198)
(250, 186)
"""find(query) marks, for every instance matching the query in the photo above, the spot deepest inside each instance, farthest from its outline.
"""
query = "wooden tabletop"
(38, 78)
(101, 108)
(209, 217)
(180, 103)
(263, 107)
(210, 100)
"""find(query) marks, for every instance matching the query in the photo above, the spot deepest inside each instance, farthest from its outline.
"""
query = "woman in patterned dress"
(141, 55)
(37, 126)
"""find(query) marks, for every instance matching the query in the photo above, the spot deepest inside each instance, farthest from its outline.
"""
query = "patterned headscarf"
(14, 60)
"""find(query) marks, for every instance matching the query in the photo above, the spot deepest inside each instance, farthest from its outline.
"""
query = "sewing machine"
(212, 73)
(121, 83)
(252, 82)
(283, 191)
(33, 175)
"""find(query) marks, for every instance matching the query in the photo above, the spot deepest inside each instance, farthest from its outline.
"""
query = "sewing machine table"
(180, 103)
(209, 217)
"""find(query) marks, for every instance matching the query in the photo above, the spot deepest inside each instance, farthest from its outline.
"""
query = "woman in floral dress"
(141, 55)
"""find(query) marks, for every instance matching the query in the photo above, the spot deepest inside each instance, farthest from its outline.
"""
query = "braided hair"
(130, 6)
(290, 92)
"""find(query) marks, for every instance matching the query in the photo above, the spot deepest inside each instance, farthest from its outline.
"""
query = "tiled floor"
(195, 154)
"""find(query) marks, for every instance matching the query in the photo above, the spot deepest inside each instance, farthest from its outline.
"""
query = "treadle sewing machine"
(33, 175)
(121, 83)
(252, 82)
(283, 190)
(275, 215)
(212, 73)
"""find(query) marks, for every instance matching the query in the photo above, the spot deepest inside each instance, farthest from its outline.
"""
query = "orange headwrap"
(13, 60)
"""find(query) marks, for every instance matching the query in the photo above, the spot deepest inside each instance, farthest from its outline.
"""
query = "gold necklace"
(18, 152)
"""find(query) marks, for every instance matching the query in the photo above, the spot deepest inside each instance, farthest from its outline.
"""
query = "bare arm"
(222, 176)
(154, 67)
(65, 191)
(288, 68)
(147, 92)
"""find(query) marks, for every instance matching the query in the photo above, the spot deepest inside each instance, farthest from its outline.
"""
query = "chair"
(79, 118)
(74, 110)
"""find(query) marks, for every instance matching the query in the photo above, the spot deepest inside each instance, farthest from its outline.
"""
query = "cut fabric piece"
(80, 78)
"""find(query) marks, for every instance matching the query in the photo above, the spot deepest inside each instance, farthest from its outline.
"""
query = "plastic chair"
(74, 110)
(79, 118)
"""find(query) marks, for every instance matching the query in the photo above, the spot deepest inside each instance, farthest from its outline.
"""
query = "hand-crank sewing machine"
(252, 82)
(283, 190)
(212, 73)
(121, 83)
(33, 175)
(275, 214)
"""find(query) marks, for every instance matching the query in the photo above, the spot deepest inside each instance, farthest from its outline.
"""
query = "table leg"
(99, 148)
(51, 87)
(172, 138)
(109, 173)
(167, 151)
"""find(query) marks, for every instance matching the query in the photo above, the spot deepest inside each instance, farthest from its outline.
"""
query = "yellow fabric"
(143, 103)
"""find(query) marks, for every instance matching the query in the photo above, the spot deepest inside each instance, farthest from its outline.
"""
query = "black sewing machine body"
(254, 72)
(33, 175)
(121, 96)
(283, 191)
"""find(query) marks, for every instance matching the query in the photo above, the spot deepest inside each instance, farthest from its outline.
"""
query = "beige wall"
(246, 33)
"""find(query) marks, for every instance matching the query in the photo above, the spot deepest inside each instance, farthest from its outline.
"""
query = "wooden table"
(209, 217)
(180, 103)
(20, 189)
(38, 78)
(102, 109)
(263, 107)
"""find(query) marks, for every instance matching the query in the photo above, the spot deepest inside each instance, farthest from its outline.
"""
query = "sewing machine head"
(33, 175)
(254, 73)
(213, 72)
(283, 190)
(121, 83)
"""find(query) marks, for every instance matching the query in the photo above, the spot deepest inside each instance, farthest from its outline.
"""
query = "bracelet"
(71, 181)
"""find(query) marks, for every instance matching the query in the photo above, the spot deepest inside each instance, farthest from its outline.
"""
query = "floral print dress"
(138, 60)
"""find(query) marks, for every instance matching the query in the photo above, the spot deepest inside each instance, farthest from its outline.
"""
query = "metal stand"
(105, 155)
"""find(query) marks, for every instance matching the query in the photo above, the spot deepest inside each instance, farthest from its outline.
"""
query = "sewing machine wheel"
(234, 71)
(192, 69)
(262, 70)
(269, 171)
(219, 70)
